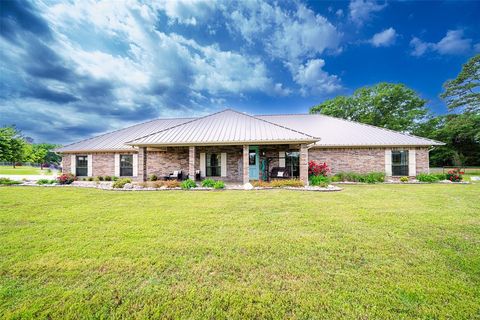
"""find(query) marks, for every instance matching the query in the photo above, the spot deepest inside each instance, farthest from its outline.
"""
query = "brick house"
(237, 147)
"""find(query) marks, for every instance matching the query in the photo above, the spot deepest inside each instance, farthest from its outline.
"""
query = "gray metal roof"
(224, 127)
(115, 140)
(232, 127)
(342, 133)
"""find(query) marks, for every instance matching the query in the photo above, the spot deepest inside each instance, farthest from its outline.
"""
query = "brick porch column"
(191, 162)
(246, 164)
(304, 163)
(142, 164)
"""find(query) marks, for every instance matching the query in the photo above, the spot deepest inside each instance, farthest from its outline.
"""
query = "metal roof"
(232, 127)
(342, 133)
(224, 127)
(115, 140)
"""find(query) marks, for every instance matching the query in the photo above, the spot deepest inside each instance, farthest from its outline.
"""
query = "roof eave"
(222, 143)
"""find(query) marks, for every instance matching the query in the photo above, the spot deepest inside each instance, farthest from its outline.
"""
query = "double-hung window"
(126, 165)
(400, 162)
(81, 166)
(213, 164)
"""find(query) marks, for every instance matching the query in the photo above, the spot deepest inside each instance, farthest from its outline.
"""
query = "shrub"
(66, 178)
(114, 178)
(372, 177)
(440, 176)
(403, 179)
(152, 177)
(454, 175)
(49, 171)
(315, 169)
(100, 178)
(170, 184)
(8, 182)
(219, 185)
(286, 183)
(96, 179)
(120, 183)
(319, 181)
(208, 183)
(188, 184)
(45, 181)
(108, 178)
(425, 177)
(261, 184)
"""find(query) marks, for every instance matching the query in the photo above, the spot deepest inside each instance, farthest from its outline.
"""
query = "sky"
(72, 70)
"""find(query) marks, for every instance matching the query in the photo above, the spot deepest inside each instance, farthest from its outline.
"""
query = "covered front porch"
(230, 163)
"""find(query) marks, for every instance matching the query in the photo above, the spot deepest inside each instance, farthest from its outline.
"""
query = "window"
(126, 165)
(81, 166)
(252, 157)
(400, 163)
(214, 165)
(292, 162)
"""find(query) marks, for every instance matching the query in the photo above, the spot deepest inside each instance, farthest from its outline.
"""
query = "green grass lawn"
(23, 170)
(368, 252)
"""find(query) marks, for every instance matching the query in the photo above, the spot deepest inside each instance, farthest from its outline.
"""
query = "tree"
(463, 92)
(386, 105)
(12, 145)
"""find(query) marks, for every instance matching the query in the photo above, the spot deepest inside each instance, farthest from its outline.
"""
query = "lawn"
(23, 170)
(382, 251)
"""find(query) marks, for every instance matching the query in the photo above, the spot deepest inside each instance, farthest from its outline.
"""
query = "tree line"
(397, 107)
(15, 148)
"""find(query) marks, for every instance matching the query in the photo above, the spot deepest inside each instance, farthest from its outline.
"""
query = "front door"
(253, 159)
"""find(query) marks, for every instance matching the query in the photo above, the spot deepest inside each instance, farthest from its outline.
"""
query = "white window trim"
(412, 163)
(73, 164)
(117, 165)
(281, 159)
(203, 165)
(135, 164)
(223, 164)
(388, 162)
(89, 165)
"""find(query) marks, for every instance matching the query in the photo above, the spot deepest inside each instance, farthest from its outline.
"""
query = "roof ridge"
(218, 112)
(110, 132)
(352, 121)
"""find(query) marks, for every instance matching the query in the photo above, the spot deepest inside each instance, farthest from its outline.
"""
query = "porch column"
(142, 164)
(304, 163)
(191, 162)
(246, 165)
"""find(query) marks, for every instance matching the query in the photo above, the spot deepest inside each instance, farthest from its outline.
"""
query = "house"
(234, 146)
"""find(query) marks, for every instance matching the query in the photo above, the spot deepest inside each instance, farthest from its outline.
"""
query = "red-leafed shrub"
(66, 178)
(454, 175)
(315, 169)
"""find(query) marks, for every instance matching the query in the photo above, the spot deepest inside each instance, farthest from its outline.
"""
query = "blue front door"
(253, 160)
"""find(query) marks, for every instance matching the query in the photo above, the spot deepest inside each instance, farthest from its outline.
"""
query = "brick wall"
(162, 163)
(103, 163)
(66, 163)
(234, 160)
(422, 160)
(360, 160)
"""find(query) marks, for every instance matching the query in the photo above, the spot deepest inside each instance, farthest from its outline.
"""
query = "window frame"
(216, 169)
(293, 166)
(80, 170)
(128, 169)
(400, 168)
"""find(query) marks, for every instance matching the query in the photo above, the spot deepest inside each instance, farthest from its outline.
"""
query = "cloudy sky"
(71, 70)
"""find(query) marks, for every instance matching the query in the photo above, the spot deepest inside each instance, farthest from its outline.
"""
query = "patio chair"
(176, 175)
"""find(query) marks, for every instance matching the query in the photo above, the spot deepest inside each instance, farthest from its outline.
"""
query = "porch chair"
(280, 173)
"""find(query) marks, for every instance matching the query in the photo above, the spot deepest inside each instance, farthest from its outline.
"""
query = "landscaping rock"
(248, 186)
(128, 186)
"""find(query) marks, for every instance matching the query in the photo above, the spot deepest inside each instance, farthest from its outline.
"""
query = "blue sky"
(71, 70)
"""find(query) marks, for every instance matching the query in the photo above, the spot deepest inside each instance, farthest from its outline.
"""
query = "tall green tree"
(12, 145)
(387, 105)
(463, 92)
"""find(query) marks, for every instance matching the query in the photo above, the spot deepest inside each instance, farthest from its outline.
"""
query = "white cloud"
(453, 43)
(339, 13)
(384, 38)
(313, 79)
(362, 10)
(189, 12)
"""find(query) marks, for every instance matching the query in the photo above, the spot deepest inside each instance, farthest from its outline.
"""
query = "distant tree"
(463, 92)
(43, 153)
(12, 145)
(386, 105)
(461, 134)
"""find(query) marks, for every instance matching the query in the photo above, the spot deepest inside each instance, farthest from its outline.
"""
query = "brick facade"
(161, 163)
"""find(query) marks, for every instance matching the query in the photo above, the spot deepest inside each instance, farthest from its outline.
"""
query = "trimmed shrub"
(319, 181)
(45, 181)
(425, 177)
(108, 178)
(152, 177)
(403, 179)
(208, 183)
(114, 178)
(100, 178)
(372, 177)
(8, 182)
(261, 184)
(120, 183)
(219, 185)
(66, 178)
(188, 184)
